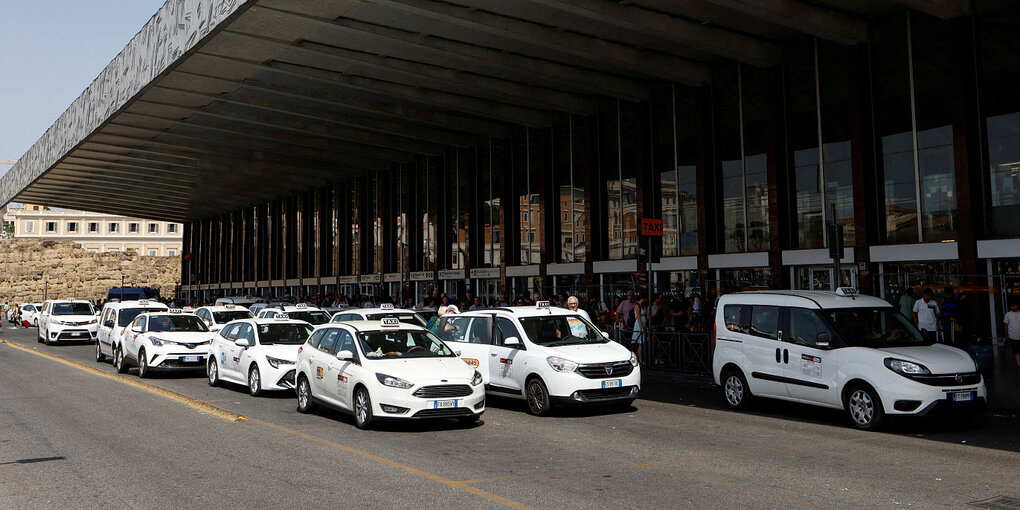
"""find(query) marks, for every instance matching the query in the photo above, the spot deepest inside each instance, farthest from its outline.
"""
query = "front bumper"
(277, 379)
(906, 397)
(177, 358)
(574, 388)
(398, 404)
(61, 332)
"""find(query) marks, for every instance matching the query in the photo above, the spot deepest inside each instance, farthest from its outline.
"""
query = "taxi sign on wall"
(651, 227)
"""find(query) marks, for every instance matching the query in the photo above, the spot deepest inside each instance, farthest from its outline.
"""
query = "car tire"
(537, 395)
(118, 360)
(255, 381)
(362, 408)
(212, 372)
(736, 394)
(100, 357)
(38, 336)
(305, 403)
(143, 365)
(864, 408)
(46, 339)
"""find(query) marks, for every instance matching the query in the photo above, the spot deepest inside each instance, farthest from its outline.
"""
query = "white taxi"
(164, 341)
(386, 370)
(30, 314)
(115, 319)
(544, 355)
(67, 319)
(384, 311)
(260, 353)
(840, 350)
(216, 316)
(302, 312)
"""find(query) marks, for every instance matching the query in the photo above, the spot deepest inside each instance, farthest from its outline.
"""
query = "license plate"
(444, 404)
(615, 383)
(191, 359)
(75, 334)
(963, 396)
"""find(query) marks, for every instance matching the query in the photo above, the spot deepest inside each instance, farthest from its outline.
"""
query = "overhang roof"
(217, 105)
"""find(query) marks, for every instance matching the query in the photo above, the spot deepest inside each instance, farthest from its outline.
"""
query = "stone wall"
(63, 269)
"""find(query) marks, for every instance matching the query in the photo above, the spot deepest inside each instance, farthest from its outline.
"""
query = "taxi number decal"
(318, 372)
(506, 361)
(471, 362)
(810, 366)
(341, 378)
(237, 359)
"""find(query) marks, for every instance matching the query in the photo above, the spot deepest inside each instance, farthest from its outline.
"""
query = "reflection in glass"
(1000, 67)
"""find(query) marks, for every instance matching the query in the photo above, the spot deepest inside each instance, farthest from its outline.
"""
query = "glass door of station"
(821, 278)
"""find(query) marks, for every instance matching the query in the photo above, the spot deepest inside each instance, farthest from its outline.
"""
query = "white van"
(116, 317)
(66, 319)
(840, 350)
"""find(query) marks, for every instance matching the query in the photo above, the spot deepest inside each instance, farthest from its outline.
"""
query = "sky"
(50, 51)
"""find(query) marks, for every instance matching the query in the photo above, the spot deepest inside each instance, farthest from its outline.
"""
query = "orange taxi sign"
(651, 227)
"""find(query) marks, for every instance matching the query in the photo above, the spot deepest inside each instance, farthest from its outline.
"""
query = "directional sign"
(651, 228)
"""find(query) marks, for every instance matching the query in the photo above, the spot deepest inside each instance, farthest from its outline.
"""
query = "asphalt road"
(70, 438)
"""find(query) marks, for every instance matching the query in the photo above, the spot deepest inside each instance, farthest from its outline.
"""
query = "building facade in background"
(96, 232)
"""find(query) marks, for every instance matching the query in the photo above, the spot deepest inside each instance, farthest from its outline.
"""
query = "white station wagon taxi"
(171, 340)
(216, 316)
(385, 311)
(302, 312)
(840, 350)
(261, 353)
(386, 370)
(544, 355)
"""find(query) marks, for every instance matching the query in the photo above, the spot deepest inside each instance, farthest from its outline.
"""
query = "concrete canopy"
(217, 105)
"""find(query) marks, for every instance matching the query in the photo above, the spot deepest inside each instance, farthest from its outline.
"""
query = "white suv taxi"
(67, 319)
(544, 355)
(302, 312)
(261, 353)
(840, 350)
(374, 314)
(386, 370)
(116, 317)
(163, 341)
(216, 316)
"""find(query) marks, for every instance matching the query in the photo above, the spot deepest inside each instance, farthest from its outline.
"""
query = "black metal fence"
(672, 351)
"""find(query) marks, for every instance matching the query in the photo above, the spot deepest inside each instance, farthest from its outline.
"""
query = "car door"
(472, 336)
(502, 358)
(347, 372)
(135, 334)
(106, 323)
(757, 328)
(235, 357)
(218, 348)
(810, 369)
(323, 371)
(44, 318)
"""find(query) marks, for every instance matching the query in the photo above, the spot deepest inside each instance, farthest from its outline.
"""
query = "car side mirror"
(240, 342)
(457, 352)
(208, 322)
(512, 342)
(822, 340)
(136, 330)
(345, 355)
(605, 334)
(108, 324)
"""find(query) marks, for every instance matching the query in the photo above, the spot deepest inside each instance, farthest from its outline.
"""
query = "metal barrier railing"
(673, 351)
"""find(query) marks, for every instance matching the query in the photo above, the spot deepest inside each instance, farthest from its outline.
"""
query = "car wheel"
(304, 396)
(362, 409)
(143, 364)
(255, 381)
(736, 394)
(864, 408)
(38, 335)
(118, 360)
(539, 403)
(46, 338)
(213, 371)
(100, 357)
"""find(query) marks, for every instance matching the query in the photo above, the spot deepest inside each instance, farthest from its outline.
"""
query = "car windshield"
(406, 318)
(72, 309)
(875, 327)
(125, 316)
(224, 317)
(313, 317)
(286, 334)
(403, 344)
(554, 330)
(176, 323)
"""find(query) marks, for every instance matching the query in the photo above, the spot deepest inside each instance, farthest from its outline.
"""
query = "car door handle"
(493, 354)
(786, 356)
(778, 360)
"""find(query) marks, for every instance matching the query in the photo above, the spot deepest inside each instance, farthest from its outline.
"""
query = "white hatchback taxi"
(384, 311)
(164, 341)
(386, 370)
(67, 319)
(216, 316)
(302, 312)
(260, 353)
(840, 350)
(545, 355)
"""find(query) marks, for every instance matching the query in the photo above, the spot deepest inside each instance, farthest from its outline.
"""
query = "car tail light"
(714, 326)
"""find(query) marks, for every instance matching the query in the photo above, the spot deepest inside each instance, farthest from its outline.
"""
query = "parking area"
(74, 437)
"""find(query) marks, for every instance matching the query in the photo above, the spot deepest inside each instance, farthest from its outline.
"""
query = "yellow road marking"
(163, 392)
(404, 467)
(538, 475)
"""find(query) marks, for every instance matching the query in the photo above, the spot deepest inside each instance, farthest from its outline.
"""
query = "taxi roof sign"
(228, 306)
(847, 291)
(281, 316)
(542, 304)
(386, 306)
(143, 301)
(390, 322)
(302, 305)
(175, 310)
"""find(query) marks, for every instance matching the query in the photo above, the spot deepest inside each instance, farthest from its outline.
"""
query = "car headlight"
(906, 368)
(633, 359)
(276, 362)
(158, 341)
(560, 364)
(56, 322)
(477, 379)
(393, 382)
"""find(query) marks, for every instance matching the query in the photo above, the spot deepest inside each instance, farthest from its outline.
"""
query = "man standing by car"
(573, 306)
(926, 315)
(623, 312)
(1012, 324)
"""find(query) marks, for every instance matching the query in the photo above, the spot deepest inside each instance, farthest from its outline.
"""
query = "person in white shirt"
(926, 315)
(572, 305)
(1012, 324)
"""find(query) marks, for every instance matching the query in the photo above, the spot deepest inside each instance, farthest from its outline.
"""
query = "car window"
(329, 340)
(139, 323)
(454, 329)
(73, 309)
(246, 333)
(737, 318)
(177, 323)
(805, 325)
(316, 338)
(284, 333)
(406, 318)
(556, 330)
(229, 315)
(126, 315)
(765, 321)
(346, 343)
(505, 329)
(230, 332)
(875, 327)
(313, 317)
(402, 343)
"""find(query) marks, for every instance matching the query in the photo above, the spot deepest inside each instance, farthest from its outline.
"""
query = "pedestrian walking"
(926, 315)
(1012, 325)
